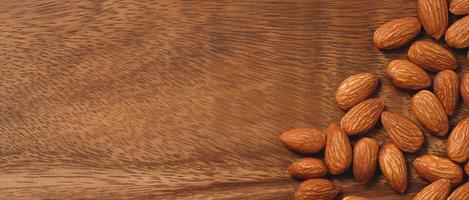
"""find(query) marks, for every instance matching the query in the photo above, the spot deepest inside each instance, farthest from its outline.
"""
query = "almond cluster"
(433, 104)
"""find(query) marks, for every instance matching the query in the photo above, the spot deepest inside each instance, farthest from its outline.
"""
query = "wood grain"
(182, 99)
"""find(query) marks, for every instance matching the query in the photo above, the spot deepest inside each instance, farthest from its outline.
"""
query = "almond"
(393, 167)
(396, 33)
(433, 168)
(430, 113)
(406, 75)
(304, 140)
(403, 133)
(338, 153)
(431, 56)
(438, 190)
(465, 88)
(462, 193)
(355, 198)
(459, 7)
(316, 189)
(434, 17)
(446, 89)
(307, 168)
(355, 89)
(458, 34)
(365, 159)
(458, 142)
(362, 117)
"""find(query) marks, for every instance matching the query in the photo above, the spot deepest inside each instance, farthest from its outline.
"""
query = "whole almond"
(430, 113)
(462, 193)
(355, 89)
(406, 75)
(393, 167)
(304, 140)
(433, 168)
(355, 198)
(465, 88)
(316, 189)
(396, 33)
(403, 133)
(438, 190)
(362, 117)
(459, 7)
(365, 159)
(307, 168)
(446, 89)
(458, 34)
(338, 153)
(458, 142)
(431, 56)
(434, 17)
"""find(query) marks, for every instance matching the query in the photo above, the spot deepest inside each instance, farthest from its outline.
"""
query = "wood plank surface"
(182, 99)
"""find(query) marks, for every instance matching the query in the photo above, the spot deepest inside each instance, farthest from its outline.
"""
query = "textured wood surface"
(181, 99)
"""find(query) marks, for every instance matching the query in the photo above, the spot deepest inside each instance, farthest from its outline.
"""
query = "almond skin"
(446, 89)
(307, 168)
(433, 168)
(403, 133)
(465, 88)
(304, 140)
(430, 113)
(338, 153)
(362, 117)
(355, 89)
(355, 198)
(458, 142)
(365, 159)
(396, 33)
(393, 167)
(462, 193)
(408, 76)
(458, 34)
(434, 17)
(316, 189)
(459, 7)
(438, 190)
(431, 56)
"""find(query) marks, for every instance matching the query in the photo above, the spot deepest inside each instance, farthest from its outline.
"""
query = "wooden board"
(182, 99)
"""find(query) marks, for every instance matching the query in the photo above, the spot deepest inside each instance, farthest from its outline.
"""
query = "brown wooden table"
(181, 99)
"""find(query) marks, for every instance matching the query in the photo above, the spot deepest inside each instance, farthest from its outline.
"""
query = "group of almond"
(432, 110)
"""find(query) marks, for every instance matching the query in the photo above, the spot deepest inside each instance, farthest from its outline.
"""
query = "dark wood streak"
(181, 99)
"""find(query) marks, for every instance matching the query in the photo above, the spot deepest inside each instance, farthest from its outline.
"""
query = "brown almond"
(434, 17)
(355, 198)
(459, 7)
(393, 167)
(446, 89)
(406, 75)
(431, 56)
(438, 190)
(396, 33)
(365, 159)
(316, 189)
(355, 89)
(458, 34)
(465, 88)
(462, 193)
(458, 142)
(433, 168)
(304, 140)
(307, 168)
(403, 133)
(362, 117)
(430, 113)
(338, 153)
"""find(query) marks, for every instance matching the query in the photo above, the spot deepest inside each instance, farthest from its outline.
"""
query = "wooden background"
(181, 99)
